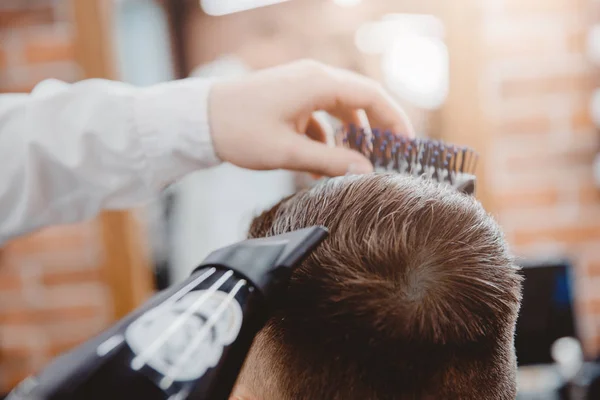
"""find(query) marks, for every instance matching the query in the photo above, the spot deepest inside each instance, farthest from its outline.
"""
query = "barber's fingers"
(316, 130)
(342, 92)
(303, 154)
(322, 128)
(347, 116)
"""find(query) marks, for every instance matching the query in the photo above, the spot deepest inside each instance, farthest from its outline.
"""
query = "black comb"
(430, 159)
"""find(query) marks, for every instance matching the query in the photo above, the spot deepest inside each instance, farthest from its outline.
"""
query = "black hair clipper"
(188, 342)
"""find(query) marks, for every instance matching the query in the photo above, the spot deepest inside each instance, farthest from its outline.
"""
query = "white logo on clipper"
(174, 354)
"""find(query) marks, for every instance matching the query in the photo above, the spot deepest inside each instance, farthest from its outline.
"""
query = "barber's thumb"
(320, 159)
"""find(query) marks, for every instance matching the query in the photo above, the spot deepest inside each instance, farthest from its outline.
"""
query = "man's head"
(412, 296)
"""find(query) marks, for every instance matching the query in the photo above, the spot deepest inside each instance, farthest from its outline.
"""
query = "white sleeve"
(69, 151)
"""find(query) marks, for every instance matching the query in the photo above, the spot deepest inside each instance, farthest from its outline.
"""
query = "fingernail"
(358, 169)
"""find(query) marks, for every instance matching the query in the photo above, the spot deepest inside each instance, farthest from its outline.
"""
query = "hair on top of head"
(413, 295)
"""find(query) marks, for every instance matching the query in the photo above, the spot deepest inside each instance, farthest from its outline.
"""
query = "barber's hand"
(264, 120)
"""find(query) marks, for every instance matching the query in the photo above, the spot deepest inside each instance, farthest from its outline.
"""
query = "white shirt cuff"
(173, 125)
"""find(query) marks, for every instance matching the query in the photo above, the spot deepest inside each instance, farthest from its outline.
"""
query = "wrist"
(172, 122)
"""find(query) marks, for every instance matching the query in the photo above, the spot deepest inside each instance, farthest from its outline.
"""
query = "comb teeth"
(435, 160)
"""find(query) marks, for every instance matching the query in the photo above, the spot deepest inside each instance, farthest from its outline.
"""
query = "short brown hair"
(414, 295)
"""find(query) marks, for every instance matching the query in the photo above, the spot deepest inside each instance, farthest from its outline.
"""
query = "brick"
(95, 295)
(56, 349)
(36, 339)
(540, 86)
(58, 262)
(23, 17)
(72, 277)
(525, 199)
(528, 47)
(582, 119)
(590, 345)
(51, 292)
(12, 299)
(2, 59)
(570, 235)
(22, 341)
(12, 88)
(68, 295)
(593, 348)
(49, 48)
(550, 161)
(72, 238)
(14, 377)
(37, 316)
(9, 280)
(517, 40)
(591, 306)
(25, 359)
(534, 7)
(594, 269)
(68, 331)
(576, 41)
(526, 124)
(589, 195)
(18, 356)
(13, 369)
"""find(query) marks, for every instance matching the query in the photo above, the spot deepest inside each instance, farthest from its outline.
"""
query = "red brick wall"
(536, 85)
(52, 291)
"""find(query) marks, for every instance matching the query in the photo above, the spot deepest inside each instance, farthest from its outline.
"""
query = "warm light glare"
(595, 107)
(568, 356)
(414, 57)
(223, 7)
(375, 37)
(416, 69)
(424, 24)
(593, 44)
(347, 3)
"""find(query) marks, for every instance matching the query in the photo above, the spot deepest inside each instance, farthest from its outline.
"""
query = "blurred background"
(515, 79)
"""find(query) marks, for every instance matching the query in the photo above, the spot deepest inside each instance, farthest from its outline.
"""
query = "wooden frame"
(126, 265)
(462, 118)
